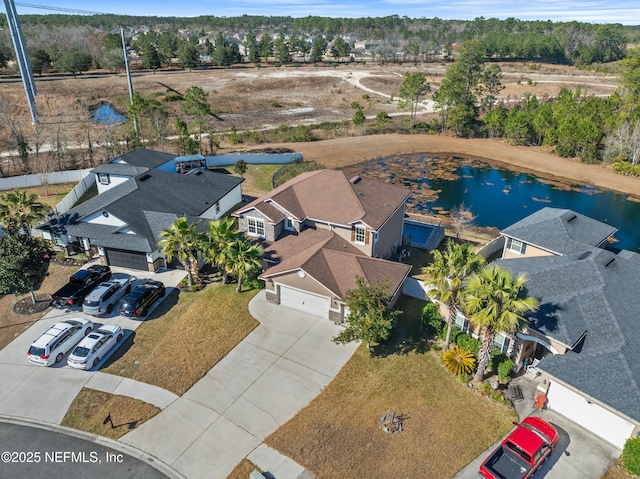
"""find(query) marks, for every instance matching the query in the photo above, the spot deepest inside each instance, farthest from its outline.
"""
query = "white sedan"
(93, 348)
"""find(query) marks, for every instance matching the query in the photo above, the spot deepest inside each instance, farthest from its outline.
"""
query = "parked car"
(522, 452)
(59, 339)
(79, 285)
(137, 303)
(104, 297)
(92, 348)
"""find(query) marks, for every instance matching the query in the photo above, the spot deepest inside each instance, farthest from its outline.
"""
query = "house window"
(104, 178)
(516, 246)
(256, 227)
(360, 234)
(460, 321)
(288, 225)
(217, 205)
(501, 342)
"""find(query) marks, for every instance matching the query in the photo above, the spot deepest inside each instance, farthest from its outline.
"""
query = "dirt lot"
(256, 98)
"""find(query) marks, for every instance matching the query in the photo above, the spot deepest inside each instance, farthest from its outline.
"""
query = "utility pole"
(126, 63)
(22, 58)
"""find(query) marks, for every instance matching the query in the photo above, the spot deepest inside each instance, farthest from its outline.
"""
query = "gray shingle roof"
(593, 291)
(147, 204)
(146, 158)
(119, 169)
(560, 231)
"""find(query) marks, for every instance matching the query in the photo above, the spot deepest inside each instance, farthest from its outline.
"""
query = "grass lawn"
(56, 193)
(447, 423)
(90, 408)
(12, 325)
(257, 179)
(243, 470)
(185, 337)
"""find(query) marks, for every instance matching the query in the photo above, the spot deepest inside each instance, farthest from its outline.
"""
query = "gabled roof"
(119, 169)
(330, 196)
(331, 261)
(560, 231)
(143, 157)
(147, 204)
(590, 302)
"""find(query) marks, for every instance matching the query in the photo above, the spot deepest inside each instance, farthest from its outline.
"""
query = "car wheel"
(162, 291)
(128, 290)
(119, 338)
(59, 357)
(87, 331)
(110, 309)
(95, 362)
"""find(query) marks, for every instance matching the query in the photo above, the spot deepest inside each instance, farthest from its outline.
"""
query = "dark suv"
(138, 302)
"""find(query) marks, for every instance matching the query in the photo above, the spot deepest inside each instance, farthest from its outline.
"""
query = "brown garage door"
(126, 259)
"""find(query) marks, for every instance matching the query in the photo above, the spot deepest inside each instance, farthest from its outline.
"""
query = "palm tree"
(447, 273)
(495, 302)
(20, 211)
(242, 258)
(222, 233)
(182, 241)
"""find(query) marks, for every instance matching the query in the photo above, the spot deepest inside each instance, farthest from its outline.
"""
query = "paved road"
(57, 455)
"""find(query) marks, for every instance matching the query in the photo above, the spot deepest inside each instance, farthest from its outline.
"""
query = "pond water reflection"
(106, 115)
(500, 197)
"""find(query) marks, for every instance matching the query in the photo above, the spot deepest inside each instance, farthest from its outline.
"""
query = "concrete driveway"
(261, 384)
(45, 393)
(578, 455)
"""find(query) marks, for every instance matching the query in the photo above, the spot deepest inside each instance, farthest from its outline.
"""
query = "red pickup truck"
(522, 451)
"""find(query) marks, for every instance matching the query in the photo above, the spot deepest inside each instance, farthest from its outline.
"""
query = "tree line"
(509, 39)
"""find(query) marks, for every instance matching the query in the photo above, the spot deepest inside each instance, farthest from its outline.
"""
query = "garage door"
(589, 415)
(126, 259)
(303, 301)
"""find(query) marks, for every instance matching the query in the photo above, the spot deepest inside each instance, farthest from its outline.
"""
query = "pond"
(106, 115)
(499, 197)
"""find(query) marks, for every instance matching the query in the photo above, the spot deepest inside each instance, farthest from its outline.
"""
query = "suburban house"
(585, 336)
(139, 195)
(321, 231)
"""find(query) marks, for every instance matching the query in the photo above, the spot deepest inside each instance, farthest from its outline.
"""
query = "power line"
(60, 9)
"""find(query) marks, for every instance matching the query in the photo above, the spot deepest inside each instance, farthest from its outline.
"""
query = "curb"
(136, 453)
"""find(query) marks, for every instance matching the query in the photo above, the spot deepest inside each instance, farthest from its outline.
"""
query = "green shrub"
(82, 258)
(626, 168)
(172, 97)
(631, 455)
(504, 370)
(469, 342)
(60, 256)
(276, 104)
(365, 96)
(463, 378)
(431, 320)
(455, 332)
(497, 357)
(355, 105)
(255, 283)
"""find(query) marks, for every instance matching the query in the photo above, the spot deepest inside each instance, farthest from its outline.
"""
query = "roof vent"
(571, 218)
(144, 177)
(609, 262)
(355, 180)
(585, 255)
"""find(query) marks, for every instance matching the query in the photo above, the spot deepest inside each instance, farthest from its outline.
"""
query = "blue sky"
(602, 11)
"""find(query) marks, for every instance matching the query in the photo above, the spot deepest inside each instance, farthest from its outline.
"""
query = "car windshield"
(81, 352)
(72, 322)
(36, 351)
(91, 303)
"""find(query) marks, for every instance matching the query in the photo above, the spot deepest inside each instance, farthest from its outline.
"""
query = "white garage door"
(589, 415)
(303, 301)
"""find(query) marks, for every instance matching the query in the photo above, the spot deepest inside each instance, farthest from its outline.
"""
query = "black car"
(79, 285)
(137, 302)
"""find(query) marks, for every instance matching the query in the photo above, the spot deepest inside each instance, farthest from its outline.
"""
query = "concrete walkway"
(261, 384)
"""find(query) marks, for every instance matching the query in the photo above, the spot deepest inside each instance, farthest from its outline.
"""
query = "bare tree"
(10, 120)
(44, 164)
(461, 219)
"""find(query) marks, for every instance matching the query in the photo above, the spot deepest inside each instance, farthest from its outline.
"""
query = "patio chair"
(532, 369)
(515, 393)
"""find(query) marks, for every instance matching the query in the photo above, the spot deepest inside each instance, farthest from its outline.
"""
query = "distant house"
(586, 332)
(140, 194)
(323, 229)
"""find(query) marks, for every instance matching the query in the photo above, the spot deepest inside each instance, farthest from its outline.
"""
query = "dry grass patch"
(13, 325)
(447, 424)
(185, 337)
(90, 408)
(243, 470)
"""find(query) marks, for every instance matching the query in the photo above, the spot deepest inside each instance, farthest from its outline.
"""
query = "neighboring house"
(139, 196)
(586, 331)
(322, 230)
